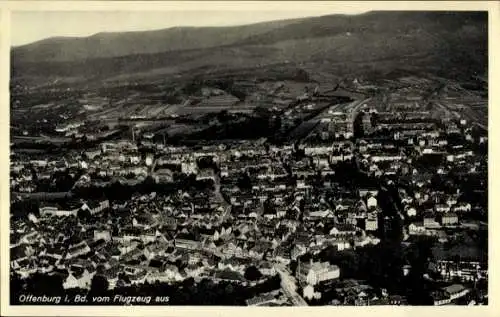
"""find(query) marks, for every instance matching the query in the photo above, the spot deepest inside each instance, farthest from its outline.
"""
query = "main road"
(289, 286)
(226, 205)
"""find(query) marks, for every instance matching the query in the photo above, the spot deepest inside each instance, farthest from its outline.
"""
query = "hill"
(104, 45)
(449, 44)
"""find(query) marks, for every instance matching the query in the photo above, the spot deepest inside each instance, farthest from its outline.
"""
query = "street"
(289, 286)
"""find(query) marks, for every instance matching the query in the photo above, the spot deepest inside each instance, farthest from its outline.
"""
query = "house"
(19, 253)
(341, 230)
(261, 300)
(462, 207)
(318, 214)
(39, 163)
(132, 255)
(411, 211)
(464, 270)
(149, 160)
(56, 253)
(452, 200)
(95, 207)
(77, 250)
(267, 268)
(312, 150)
(153, 250)
(98, 245)
(187, 244)
(314, 273)
(60, 166)
(55, 211)
(406, 269)
(282, 254)
(270, 214)
(430, 221)
(310, 293)
(321, 162)
(440, 234)
(449, 219)
(442, 208)
(80, 278)
(367, 191)
(417, 228)
(143, 221)
(206, 174)
(189, 168)
(194, 270)
(32, 237)
(229, 275)
(271, 172)
(46, 264)
(170, 273)
(138, 277)
(371, 202)
(93, 153)
(102, 234)
(298, 250)
(163, 175)
(421, 197)
(340, 244)
(397, 300)
(135, 159)
(371, 223)
(169, 222)
(26, 268)
(447, 294)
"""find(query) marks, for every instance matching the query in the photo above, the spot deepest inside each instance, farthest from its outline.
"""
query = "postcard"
(193, 158)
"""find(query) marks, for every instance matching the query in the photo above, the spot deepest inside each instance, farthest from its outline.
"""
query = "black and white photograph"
(336, 156)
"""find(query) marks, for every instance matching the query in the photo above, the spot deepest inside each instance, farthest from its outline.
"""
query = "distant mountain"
(445, 43)
(104, 45)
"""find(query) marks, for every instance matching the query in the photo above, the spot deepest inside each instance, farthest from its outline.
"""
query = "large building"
(313, 273)
(367, 124)
(371, 223)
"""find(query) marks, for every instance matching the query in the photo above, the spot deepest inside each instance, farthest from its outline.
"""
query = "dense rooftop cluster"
(366, 177)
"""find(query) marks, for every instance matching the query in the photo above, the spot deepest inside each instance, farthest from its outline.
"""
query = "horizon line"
(67, 37)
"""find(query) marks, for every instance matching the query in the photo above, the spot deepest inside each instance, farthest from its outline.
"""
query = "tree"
(252, 273)
(99, 285)
(188, 283)
(43, 284)
(83, 214)
(269, 207)
(63, 181)
(16, 288)
(21, 209)
(229, 289)
(244, 182)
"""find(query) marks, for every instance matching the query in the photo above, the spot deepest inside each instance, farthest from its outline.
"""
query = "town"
(363, 197)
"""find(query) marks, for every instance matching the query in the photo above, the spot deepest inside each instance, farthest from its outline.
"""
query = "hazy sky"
(31, 26)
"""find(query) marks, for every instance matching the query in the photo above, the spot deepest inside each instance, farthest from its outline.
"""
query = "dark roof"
(79, 246)
(229, 275)
(98, 243)
(18, 252)
(429, 215)
(453, 289)
(112, 272)
(186, 236)
(156, 263)
(344, 227)
(207, 231)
